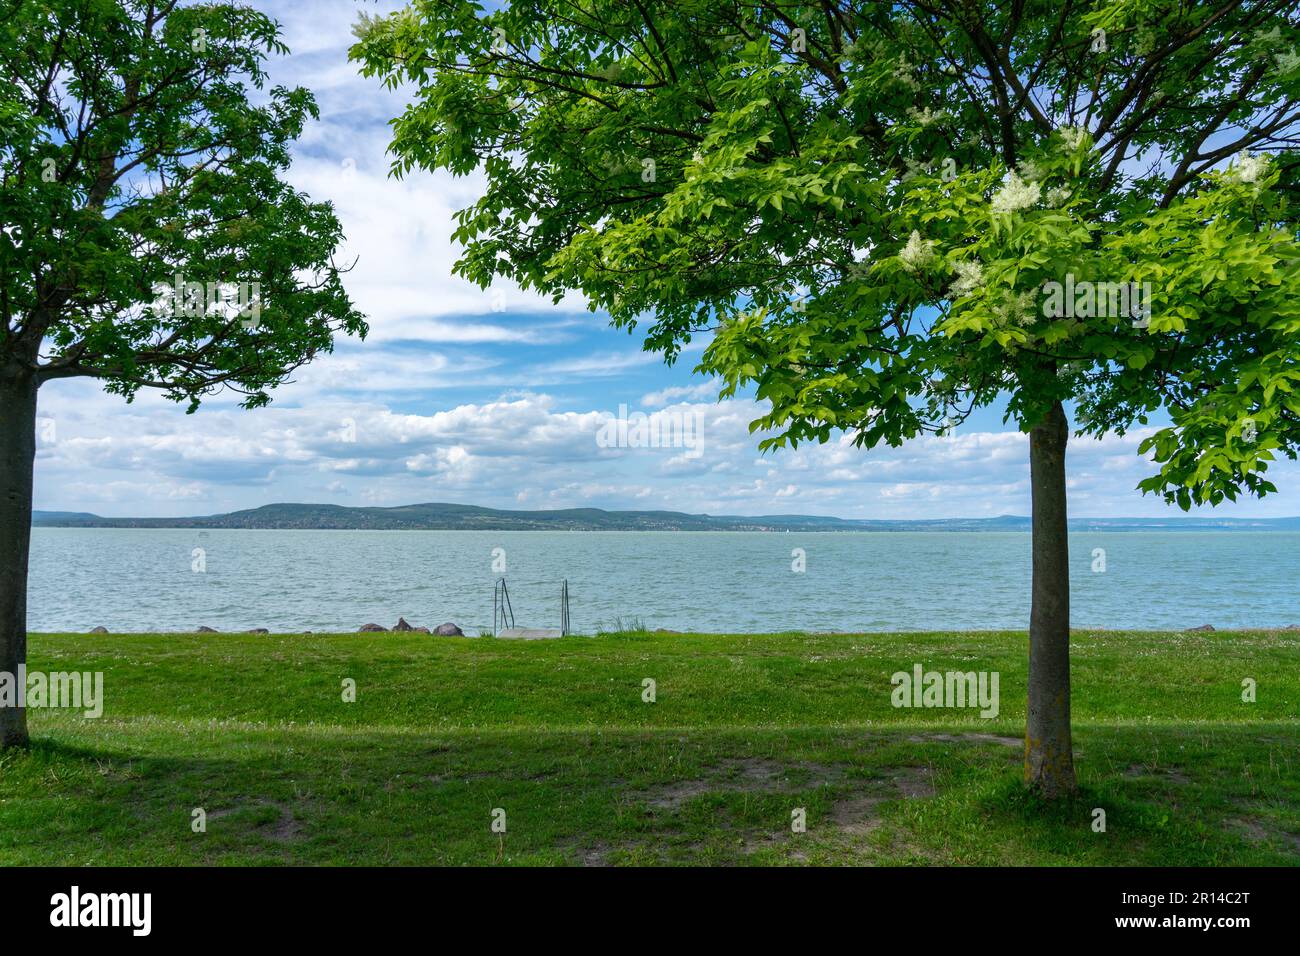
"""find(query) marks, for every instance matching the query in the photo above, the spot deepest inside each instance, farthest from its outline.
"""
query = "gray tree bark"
(17, 457)
(1049, 754)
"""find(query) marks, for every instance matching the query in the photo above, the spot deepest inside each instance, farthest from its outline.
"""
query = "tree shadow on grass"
(1128, 813)
(279, 795)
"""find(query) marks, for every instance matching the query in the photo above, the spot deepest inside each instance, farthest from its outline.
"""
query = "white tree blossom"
(1247, 168)
(1056, 197)
(1017, 308)
(1016, 194)
(927, 116)
(970, 276)
(1072, 137)
(918, 253)
(903, 74)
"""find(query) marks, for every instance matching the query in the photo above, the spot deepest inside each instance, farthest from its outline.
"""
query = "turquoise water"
(138, 580)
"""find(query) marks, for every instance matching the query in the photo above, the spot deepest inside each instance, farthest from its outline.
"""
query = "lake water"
(179, 579)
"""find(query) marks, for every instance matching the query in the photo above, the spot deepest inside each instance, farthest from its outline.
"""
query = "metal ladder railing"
(564, 608)
(503, 615)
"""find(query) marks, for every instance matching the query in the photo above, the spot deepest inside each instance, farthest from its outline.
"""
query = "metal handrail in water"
(503, 615)
(564, 608)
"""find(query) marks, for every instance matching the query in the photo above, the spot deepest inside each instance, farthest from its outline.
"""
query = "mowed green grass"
(744, 732)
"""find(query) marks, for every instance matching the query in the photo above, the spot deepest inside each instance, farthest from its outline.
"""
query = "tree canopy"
(147, 235)
(149, 238)
(862, 204)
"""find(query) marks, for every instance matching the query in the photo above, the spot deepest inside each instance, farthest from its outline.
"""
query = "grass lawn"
(745, 729)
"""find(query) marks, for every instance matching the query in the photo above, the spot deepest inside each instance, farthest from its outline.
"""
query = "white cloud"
(524, 448)
(495, 397)
(666, 396)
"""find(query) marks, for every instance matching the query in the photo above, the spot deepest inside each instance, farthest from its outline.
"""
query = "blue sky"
(497, 397)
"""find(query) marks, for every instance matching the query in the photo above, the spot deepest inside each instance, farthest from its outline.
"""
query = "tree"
(148, 239)
(888, 214)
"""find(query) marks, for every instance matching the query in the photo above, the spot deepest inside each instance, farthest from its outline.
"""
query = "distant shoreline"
(455, 517)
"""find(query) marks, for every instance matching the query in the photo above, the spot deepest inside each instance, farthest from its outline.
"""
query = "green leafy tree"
(148, 239)
(865, 206)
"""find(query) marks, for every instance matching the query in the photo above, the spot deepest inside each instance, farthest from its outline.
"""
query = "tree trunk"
(1049, 756)
(17, 456)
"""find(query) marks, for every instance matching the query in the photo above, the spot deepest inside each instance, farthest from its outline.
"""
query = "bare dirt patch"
(740, 775)
(914, 782)
(852, 816)
(282, 829)
(596, 854)
(673, 795)
(1262, 832)
(1016, 742)
(1171, 774)
(286, 828)
(859, 813)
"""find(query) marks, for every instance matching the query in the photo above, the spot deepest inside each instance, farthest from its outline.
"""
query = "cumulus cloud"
(678, 393)
(497, 396)
(526, 449)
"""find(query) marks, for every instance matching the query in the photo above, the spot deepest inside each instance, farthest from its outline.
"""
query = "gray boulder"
(369, 628)
(259, 630)
(1203, 627)
(419, 630)
(448, 630)
(204, 629)
(99, 630)
(401, 625)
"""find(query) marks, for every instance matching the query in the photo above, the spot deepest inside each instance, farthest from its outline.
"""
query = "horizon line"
(666, 511)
